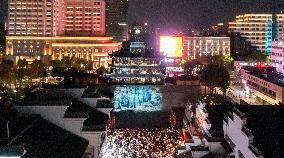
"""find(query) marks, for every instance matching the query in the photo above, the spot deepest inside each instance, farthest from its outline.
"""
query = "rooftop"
(77, 110)
(266, 125)
(98, 91)
(266, 73)
(95, 120)
(17, 124)
(43, 139)
(46, 97)
(215, 116)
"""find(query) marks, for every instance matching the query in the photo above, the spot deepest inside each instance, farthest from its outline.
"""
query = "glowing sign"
(169, 60)
(171, 46)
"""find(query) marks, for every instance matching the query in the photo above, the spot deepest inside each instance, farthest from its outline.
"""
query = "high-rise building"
(57, 17)
(116, 19)
(277, 56)
(240, 46)
(53, 29)
(259, 29)
(36, 17)
(85, 17)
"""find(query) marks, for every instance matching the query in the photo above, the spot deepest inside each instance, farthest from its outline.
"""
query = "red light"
(260, 65)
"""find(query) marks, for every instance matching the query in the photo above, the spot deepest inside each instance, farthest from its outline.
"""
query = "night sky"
(180, 14)
(196, 13)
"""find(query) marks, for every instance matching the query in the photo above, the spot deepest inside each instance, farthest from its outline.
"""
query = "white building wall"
(199, 154)
(53, 114)
(216, 148)
(92, 102)
(195, 47)
(234, 131)
(277, 55)
(75, 92)
(270, 86)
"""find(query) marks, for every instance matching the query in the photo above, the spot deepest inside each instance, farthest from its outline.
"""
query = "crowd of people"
(141, 143)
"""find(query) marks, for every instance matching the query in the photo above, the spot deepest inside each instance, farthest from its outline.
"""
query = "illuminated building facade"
(127, 70)
(259, 29)
(137, 48)
(56, 17)
(85, 17)
(95, 49)
(36, 17)
(265, 83)
(195, 47)
(116, 19)
(51, 29)
(277, 56)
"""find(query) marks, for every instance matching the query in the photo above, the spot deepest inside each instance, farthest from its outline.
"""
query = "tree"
(224, 79)
(7, 72)
(101, 70)
(58, 68)
(22, 64)
(37, 69)
(89, 65)
(209, 77)
(224, 60)
(189, 66)
(76, 63)
(215, 75)
(255, 56)
(23, 70)
(67, 62)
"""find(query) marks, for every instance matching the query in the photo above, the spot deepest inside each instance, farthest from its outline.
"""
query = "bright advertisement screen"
(171, 46)
(137, 98)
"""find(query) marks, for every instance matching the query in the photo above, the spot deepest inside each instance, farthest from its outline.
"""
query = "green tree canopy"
(37, 69)
(101, 70)
(22, 63)
(23, 69)
(58, 68)
(7, 72)
(224, 60)
(256, 56)
(215, 75)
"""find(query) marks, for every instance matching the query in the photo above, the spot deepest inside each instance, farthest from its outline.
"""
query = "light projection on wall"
(171, 46)
(137, 98)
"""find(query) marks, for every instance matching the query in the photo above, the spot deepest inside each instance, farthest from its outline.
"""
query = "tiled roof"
(42, 139)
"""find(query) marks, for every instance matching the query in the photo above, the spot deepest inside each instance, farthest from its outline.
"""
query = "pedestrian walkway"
(237, 94)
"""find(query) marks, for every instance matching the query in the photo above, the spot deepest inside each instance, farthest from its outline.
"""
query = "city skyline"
(142, 78)
(197, 14)
(182, 14)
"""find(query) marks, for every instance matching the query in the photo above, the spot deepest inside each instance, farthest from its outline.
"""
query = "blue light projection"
(137, 98)
(269, 37)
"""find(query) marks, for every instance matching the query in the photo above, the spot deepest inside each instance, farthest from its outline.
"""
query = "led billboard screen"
(171, 46)
(137, 98)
